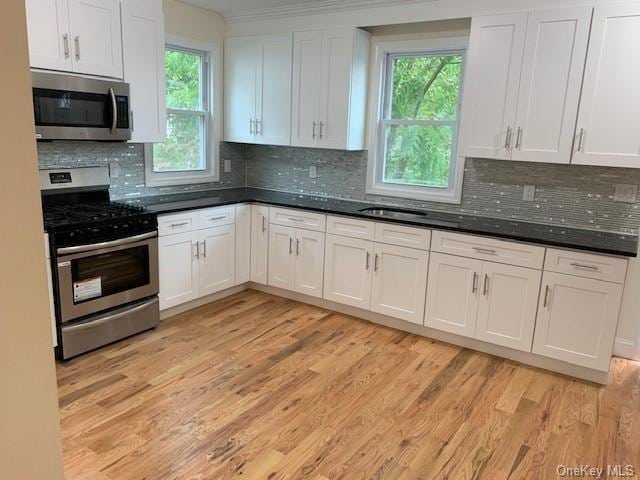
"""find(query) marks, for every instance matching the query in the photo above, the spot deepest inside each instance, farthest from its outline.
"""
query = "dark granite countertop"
(594, 241)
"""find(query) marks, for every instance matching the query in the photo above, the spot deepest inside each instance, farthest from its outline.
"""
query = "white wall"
(192, 22)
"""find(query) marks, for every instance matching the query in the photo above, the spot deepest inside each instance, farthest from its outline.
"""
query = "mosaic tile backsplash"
(569, 195)
(130, 159)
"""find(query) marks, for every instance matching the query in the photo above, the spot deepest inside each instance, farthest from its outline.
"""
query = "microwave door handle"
(114, 110)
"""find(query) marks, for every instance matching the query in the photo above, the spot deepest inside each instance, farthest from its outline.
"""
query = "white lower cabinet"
(348, 271)
(507, 306)
(452, 294)
(259, 243)
(399, 282)
(243, 243)
(296, 259)
(178, 262)
(577, 320)
(217, 259)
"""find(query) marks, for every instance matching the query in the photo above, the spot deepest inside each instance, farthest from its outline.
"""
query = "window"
(415, 132)
(189, 154)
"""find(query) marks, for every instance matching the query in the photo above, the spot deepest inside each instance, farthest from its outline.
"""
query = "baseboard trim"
(595, 376)
(626, 349)
(185, 307)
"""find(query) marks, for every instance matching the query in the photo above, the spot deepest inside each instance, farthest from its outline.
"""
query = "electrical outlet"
(529, 193)
(313, 171)
(227, 166)
(626, 193)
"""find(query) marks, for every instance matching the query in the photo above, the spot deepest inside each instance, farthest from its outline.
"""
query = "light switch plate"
(529, 193)
(626, 193)
(313, 171)
(227, 166)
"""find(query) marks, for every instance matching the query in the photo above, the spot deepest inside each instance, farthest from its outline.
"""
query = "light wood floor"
(256, 386)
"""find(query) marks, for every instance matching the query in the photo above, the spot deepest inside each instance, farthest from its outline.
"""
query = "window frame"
(384, 51)
(212, 113)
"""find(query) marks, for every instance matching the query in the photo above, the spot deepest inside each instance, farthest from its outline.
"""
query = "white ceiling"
(231, 6)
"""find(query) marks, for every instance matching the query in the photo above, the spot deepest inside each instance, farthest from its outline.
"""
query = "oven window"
(71, 109)
(109, 273)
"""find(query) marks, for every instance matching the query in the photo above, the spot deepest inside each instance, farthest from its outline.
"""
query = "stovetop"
(85, 214)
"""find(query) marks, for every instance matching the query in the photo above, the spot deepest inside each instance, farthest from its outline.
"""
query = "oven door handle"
(108, 318)
(100, 246)
(114, 110)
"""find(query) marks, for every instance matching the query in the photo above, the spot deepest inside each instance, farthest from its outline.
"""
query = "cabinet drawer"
(601, 267)
(215, 217)
(511, 253)
(402, 236)
(297, 218)
(351, 227)
(177, 223)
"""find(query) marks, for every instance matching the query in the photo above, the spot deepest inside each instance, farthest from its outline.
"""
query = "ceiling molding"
(318, 7)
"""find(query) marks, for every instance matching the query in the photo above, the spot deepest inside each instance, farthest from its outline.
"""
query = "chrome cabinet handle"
(297, 247)
(76, 41)
(290, 245)
(588, 267)
(580, 139)
(133, 129)
(204, 249)
(264, 224)
(314, 129)
(546, 296)
(321, 132)
(114, 110)
(485, 288)
(519, 138)
(368, 262)
(251, 126)
(102, 245)
(375, 262)
(197, 245)
(181, 224)
(474, 287)
(488, 251)
(259, 127)
(65, 42)
(507, 142)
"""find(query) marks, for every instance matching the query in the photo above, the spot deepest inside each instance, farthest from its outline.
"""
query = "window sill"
(176, 181)
(417, 193)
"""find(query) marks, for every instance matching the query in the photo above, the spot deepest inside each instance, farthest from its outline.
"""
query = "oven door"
(68, 107)
(93, 278)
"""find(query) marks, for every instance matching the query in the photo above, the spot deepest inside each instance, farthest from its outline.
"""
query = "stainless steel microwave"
(70, 107)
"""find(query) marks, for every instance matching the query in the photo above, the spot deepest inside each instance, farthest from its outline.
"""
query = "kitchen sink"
(397, 213)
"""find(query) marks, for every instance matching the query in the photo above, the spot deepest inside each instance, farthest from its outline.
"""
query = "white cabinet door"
(48, 28)
(307, 49)
(178, 267)
(274, 91)
(452, 294)
(309, 271)
(243, 244)
(217, 259)
(554, 56)
(347, 271)
(281, 257)
(399, 282)
(143, 61)
(577, 320)
(507, 306)
(96, 37)
(241, 69)
(494, 62)
(608, 132)
(259, 243)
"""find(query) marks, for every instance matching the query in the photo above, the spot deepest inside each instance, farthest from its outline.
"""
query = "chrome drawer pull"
(181, 224)
(214, 219)
(291, 219)
(488, 251)
(588, 267)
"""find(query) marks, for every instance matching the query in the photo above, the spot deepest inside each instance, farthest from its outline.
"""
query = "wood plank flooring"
(257, 386)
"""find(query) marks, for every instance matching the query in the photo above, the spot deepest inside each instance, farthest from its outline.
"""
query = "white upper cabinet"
(554, 56)
(577, 320)
(330, 76)
(49, 40)
(143, 61)
(258, 89)
(96, 37)
(81, 36)
(508, 305)
(494, 62)
(608, 131)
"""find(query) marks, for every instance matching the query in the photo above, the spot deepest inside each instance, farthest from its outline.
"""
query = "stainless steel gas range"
(104, 261)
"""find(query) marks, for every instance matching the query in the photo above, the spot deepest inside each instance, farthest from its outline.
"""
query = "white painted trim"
(625, 348)
(453, 194)
(214, 121)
